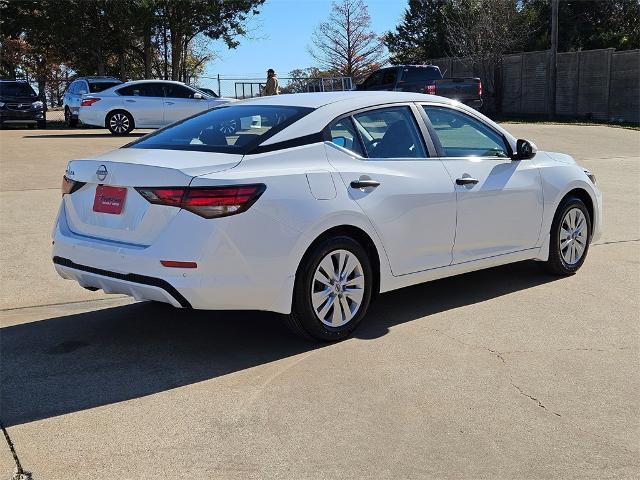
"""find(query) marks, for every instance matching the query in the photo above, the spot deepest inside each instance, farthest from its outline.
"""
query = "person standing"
(271, 88)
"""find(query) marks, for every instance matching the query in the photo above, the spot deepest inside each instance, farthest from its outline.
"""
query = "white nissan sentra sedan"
(336, 198)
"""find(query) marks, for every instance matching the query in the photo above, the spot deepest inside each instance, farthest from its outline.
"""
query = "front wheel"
(332, 290)
(119, 123)
(570, 237)
(69, 121)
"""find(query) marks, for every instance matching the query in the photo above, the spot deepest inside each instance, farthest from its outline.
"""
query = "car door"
(145, 102)
(407, 194)
(499, 200)
(180, 103)
(79, 88)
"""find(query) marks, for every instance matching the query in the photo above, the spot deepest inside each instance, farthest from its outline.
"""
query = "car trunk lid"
(109, 207)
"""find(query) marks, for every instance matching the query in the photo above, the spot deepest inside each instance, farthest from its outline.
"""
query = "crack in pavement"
(19, 473)
(499, 356)
(610, 242)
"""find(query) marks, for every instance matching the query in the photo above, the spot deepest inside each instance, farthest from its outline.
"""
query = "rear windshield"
(16, 89)
(100, 86)
(226, 129)
(420, 74)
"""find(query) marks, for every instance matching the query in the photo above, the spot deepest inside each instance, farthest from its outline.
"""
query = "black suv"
(19, 104)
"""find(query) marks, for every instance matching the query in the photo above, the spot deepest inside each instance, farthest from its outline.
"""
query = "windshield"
(100, 86)
(226, 129)
(16, 89)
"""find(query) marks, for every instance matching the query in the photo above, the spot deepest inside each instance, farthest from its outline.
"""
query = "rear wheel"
(332, 291)
(69, 121)
(120, 123)
(42, 124)
(570, 237)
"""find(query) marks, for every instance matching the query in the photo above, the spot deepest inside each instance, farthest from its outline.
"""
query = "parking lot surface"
(505, 373)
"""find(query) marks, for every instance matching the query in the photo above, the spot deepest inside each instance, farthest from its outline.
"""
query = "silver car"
(79, 87)
(144, 104)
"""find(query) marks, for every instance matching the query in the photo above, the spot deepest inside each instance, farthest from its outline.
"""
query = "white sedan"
(337, 197)
(144, 104)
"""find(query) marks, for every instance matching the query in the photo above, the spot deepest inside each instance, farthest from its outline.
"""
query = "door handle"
(169, 103)
(467, 181)
(364, 183)
(130, 101)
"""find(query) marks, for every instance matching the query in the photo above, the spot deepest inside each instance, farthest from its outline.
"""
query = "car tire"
(120, 122)
(42, 124)
(332, 291)
(69, 121)
(569, 237)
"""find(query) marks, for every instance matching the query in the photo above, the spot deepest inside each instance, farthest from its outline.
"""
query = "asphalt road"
(506, 373)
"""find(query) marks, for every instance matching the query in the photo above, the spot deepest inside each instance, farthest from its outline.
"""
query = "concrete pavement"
(506, 373)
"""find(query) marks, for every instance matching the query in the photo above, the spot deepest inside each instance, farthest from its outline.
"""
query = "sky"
(281, 33)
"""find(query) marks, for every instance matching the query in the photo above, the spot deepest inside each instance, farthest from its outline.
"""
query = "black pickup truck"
(425, 79)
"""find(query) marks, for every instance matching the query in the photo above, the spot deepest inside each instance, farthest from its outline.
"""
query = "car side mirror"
(198, 96)
(525, 150)
(340, 141)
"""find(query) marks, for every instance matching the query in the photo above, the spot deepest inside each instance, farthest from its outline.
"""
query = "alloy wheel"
(573, 236)
(337, 289)
(119, 123)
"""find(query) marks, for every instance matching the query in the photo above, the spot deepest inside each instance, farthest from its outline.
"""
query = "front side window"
(177, 91)
(461, 135)
(226, 129)
(373, 80)
(389, 76)
(343, 134)
(390, 133)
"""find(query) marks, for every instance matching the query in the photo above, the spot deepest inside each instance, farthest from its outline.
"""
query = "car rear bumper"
(91, 116)
(226, 278)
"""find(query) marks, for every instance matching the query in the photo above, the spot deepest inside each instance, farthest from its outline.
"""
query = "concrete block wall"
(590, 84)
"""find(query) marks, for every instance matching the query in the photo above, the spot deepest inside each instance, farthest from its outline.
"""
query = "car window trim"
(436, 140)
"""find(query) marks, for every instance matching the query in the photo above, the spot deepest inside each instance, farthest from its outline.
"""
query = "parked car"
(337, 198)
(79, 87)
(425, 79)
(19, 105)
(208, 91)
(144, 104)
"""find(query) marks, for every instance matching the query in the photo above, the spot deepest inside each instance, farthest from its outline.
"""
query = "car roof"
(330, 105)
(135, 82)
(99, 79)
(355, 99)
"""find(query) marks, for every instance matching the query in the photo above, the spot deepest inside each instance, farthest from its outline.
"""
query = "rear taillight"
(70, 186)
(479, 89)
(87, 102)
(430, 89)
(208, 202)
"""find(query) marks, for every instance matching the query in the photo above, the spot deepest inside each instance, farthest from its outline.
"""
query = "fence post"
(609, 62)
(219, 87)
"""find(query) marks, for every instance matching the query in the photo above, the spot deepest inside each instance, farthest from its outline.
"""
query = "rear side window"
(142, 90)
(420, 74)
(343, 134)
(461, 135)
(226, 129)
(390, 133)
(389, 76)
(95, 87)
(373, 80)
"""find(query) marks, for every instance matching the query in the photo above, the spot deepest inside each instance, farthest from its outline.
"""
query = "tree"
(585, 25)
(482, 31)
(422, 34)
(345, 45)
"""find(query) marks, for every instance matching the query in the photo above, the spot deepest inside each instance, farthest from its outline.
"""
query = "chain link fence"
(249, 87)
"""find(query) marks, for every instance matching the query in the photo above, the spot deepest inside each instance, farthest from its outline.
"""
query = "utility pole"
(553, 64)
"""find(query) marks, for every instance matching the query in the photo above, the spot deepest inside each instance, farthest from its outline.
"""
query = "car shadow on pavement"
(84, 135)
(72, 363)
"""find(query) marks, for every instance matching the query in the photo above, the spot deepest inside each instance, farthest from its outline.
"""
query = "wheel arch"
(583, 195)
(359, 235)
